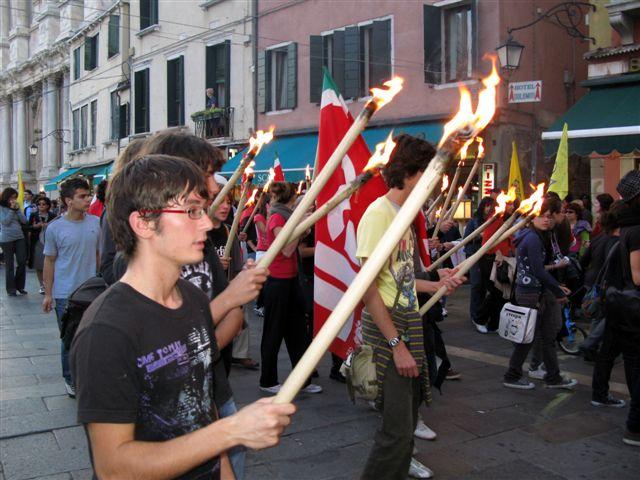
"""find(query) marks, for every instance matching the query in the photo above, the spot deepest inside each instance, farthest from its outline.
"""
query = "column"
(5, 14)
(20, 150)
(19, 35)
(49, 125)
(5, 135)
(66, 123)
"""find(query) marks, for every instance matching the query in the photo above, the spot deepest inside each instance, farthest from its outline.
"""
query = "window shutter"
(115, 116)
(315, 68)
(114, 36)
(123, 117)
(351, 62)
(432, 45)
(381, 52)
(262, 81)
(76, 63)
(210, 65)
(172, 100)
(142, 101)
(87, 54)
(145, 14)
(180, 90)
(338, 60)
(474, 35)
(227, 73)
(292, 75)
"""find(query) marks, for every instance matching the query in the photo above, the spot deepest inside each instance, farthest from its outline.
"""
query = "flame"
(252, 198)
(272, 175)
(463, 151)
(307, 173)
(480, 141)
(466, 118)
(445, 183)
(533, 204)
(249, 171)
(259, 139)
(299, 191)
(382, 153)
(381, 97)
(438, 212)
(505, 198)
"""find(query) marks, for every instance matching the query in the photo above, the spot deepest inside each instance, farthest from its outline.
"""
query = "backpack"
(593, 302)
(77, 304)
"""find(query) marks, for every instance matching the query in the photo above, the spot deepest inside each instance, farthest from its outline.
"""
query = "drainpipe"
(254, 36)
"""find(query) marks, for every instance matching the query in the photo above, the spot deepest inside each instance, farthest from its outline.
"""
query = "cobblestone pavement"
(484, 430)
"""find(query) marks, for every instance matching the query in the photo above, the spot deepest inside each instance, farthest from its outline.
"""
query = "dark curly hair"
(282, 191)
(411, 155)
(7, 193)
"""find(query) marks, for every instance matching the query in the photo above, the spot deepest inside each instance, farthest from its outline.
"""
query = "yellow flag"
(515, 177)
(559, 181)
(20, 191)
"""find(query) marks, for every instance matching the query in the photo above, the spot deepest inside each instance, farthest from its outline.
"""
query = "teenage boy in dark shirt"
(143, 355)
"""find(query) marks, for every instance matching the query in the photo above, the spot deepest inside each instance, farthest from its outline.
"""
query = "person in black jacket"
(38, 221)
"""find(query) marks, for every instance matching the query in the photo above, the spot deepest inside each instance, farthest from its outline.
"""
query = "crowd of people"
(151, 378)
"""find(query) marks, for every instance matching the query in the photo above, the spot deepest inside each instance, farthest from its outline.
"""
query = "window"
(141, 106)
(148, 13)
(175, 92)
(218, 59)
(94, 120)
(91, 53)
(450, 42)
(83, 125)
(115, 116)
(277, 78)
(357, 57)
(113, 47)
(76, 63)
(76, 129)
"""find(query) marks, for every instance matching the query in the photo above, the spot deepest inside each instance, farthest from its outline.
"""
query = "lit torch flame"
(445, 183)
(259, 139)
(480, 141)
(248, 174)
(505, 198)
(299, 191)
(252, 198)
(533, 204)
(381, 97)
(272, 175)
(438, 212)
(307, 173)
(466, 118)
(382, 153)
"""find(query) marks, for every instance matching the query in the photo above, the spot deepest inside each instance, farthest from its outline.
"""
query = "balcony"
(216, 123)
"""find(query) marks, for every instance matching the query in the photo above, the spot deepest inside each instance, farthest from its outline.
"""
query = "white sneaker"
(275, 389)
(312, 388)
(538, 373)
(424, 432)
(418, 470)
(444, 314)
(481, 328)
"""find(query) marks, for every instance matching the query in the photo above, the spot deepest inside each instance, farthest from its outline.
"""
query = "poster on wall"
(488, 178)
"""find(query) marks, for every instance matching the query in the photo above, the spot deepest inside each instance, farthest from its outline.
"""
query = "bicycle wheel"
(570, 342)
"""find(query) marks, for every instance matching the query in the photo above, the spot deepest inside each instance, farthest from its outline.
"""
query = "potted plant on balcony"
(208, 114)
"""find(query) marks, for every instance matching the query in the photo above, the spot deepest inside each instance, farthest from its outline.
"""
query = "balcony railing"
(214, 123)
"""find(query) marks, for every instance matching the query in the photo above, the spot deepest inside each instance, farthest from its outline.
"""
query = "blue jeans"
(61, 304)
(237, 454)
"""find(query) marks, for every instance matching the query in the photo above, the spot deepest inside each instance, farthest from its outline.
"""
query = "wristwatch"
(394, 341)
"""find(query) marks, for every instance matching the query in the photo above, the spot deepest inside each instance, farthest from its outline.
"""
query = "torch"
(380, 98)
(472, 174)
(255, 145)
(434, 205)
(502, 201)
(466, 124)
(236, 219)
(532, 205)
(307, 176)
(378, 160)
(263, 194)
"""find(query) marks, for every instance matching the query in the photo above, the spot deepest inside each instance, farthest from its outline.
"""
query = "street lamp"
(509, 53)
(33, 149)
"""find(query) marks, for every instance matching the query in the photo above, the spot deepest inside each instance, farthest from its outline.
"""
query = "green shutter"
(315, 68)
(87, 53)
(76, 63)
(351, 62)
(142, 101)
(180, 88)
(262, 81)
(338, 60)
(227, 73)
(380, 52)
(145, 14)
(210, 67)
(432, 45)
(114, 36)
(172, 101)
(292, 75)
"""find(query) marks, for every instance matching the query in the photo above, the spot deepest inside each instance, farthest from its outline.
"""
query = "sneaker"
(275, 389)
(418, 470)
(71, 390)
(41, 290)
(453, 374)
(12, 293)
(444, 314)
(424, 432)
(22, 291)
(538, 373)
(566, 383)
(610, 401)
(480, 328)
(312, 388)
(520, 384)
(631, 438)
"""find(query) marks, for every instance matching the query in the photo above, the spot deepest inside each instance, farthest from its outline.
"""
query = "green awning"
(97, 172)
(297, 151)
(605, 119)
(53, 183)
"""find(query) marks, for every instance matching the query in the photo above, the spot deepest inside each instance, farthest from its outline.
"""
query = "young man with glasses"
(145, 373)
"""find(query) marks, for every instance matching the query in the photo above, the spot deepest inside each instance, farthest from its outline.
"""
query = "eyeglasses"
(194, 213)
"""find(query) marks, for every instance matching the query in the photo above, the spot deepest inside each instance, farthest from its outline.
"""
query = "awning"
(605, 119)
(297, 151)
(53, 183)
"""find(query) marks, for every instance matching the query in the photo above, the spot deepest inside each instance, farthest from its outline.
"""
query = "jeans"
(392, 449)
(15, 277)
(631, 357)
(547, 327)
(489, 312)
(61, 304)
(237, 455)
(478, 292)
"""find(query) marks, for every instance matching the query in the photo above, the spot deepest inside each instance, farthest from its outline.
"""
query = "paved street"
(484, 430)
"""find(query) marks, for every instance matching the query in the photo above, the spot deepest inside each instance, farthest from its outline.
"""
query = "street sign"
(524, 92)
(488, 178)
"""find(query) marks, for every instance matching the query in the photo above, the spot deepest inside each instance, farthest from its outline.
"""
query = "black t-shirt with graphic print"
(136, 361)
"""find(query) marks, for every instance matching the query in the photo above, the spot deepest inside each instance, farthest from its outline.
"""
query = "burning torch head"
(383, 96)
(445, 183)
(504, 198)
(307, 173)
(252, 198)
(272, 175)
(247, 176)
(382, 153)
(259, 139)
(533, 204)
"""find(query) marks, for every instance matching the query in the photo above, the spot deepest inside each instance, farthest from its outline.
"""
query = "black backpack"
(77, 304)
